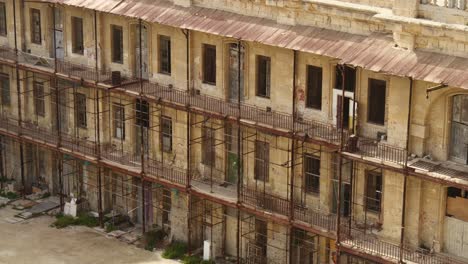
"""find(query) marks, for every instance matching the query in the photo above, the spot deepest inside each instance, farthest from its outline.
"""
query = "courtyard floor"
(34, 241)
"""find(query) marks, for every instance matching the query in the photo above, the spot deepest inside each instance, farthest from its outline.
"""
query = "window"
(166, 124)
(314, 87)
(119, 121)
(142, 113)
(5, 86)
(208, 146)
(165, 55)
(167, 204)
(376, 102)
(312, 174)
(117, 44)
(36, 26)
(263, 76)
(80, 110)
(373, 191)
(350, 78)
(38, 94)
(77, 35)
(262, 161)
(3, 23)
(209, 64)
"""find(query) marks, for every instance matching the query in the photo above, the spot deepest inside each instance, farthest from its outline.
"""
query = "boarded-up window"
(117, 44)
(209, 64)
(38, 93)
(80, 110)
(350, 78)
(376, 102)
(312, 174)
(5, 86)
(119, 120)
(35, 26)
(314, 87)
(77, 35)
(3, 23)
(142, 113)
(262, 161)
(208, 146)
(164, 54)
(166, 133)
(373, 191)
(263, 76)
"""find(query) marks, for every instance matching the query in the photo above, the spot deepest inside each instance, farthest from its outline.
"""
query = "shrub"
(153, 237)
(175, 251)
(8, 195)
(63, 221)
(192, 260)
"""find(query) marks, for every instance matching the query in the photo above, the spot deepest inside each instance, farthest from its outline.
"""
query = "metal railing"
(265, 201)
(166, 172)
(316, 218)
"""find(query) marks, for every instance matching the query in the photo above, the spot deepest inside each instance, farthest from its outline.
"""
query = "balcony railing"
(457, 4)
(315, 218)
(265, 201)
(166, 172)
(376, 149)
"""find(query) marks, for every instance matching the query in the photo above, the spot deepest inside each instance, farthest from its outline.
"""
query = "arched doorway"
(459, 134)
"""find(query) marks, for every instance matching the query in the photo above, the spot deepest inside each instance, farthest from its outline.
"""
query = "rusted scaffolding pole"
(293, 151)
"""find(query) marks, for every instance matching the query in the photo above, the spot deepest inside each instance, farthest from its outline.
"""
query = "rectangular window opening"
(36, 26)
(119, 121)
(262, 161)
(77, 35)
(166, 133)
(312, 174)
(3, 20)
(164, 54)
(374, 191)
(314, 87)
(6, 90)
(38, 93)
(376, 101)
(263, 76)
(80, 110)
(117, 44)
(208, 146)
(209, 64)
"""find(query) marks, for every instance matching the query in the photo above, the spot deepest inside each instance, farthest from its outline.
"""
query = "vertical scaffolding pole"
(239, 152)
(405, 181)
(293, 156)
(142, 130)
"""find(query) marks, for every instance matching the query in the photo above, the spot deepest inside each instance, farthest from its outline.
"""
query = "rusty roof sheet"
(376, 52)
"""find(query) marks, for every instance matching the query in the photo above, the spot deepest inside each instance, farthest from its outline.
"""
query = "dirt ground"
(33, 241)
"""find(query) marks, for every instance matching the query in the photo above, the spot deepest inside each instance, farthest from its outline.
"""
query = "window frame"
(383, 104)
(165, 54)
(77, 37)
(166, 123)
(3, 20)
(317, 93)
(36, 27)
(209, 64)
(266, 81)
(142, 110)
(315, 176)
(114, 30)
(208, 147)
(81, 110)
(118, 118)
(39, 98)
(376, 200)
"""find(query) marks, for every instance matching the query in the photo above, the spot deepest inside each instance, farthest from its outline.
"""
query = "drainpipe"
(19, 99)
(293, 149)
(403, 214)
(340, 174)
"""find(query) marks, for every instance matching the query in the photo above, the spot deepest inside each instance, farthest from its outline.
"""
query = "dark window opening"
(167, 204)
(3, 21)
(5, 86)
(117, 44)
(376, 101)
(164, 54)
(77, 35)
(119, 121)
(36, 26)
(314, 87)
(312, 174)
(262, 161)
(209, 64)
(374, 191)
(80, 110)
(350, 78)
(263, 76)
(38, 93)
(166, 133)
(142, 113)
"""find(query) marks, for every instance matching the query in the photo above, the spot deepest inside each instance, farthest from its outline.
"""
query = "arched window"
(459, 135)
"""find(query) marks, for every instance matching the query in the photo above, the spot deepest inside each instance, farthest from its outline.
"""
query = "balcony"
(372, 245)
(265, 201)
(315, 218)
(455, 4)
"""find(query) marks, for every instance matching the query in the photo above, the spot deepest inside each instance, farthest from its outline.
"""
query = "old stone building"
(259, 131)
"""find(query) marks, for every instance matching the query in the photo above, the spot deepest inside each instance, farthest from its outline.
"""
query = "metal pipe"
(239, 152)
(142, 127)
(96, 47)
(434, 88)
(293, 156)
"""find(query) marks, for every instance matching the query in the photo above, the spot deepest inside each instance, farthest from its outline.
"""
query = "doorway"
(236, 78)
(143, 48)
(459, 133)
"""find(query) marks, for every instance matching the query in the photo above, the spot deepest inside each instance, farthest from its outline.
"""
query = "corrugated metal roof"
(376, 52)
